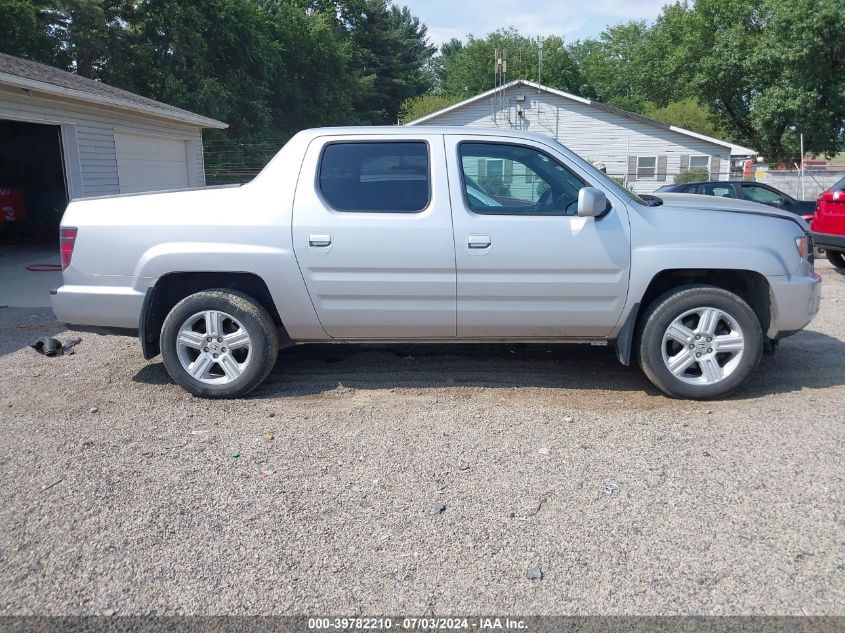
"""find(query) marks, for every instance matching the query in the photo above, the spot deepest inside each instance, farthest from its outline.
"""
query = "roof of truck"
(416, 130)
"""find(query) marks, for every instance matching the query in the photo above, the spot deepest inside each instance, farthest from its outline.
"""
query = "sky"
(570, 19)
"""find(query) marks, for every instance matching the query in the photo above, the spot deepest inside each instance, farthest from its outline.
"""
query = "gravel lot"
(122, 494)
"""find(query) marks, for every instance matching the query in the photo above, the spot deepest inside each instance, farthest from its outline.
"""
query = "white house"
(63, 136)
(645, 153)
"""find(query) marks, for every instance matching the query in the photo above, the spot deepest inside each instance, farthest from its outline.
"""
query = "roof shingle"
(34, 71)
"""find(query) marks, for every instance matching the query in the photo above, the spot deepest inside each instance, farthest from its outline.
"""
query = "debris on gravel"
(166, 501)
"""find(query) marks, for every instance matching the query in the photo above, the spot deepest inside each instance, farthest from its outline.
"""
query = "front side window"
(761, 195)
(380, 177)
(502, 179)
(646, 167)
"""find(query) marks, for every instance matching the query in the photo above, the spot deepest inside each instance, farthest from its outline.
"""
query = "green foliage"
(687, 113)
(418, 107)
(763, 68)
(612, 66)
(469, 69)
(697, 174)
(760, 73)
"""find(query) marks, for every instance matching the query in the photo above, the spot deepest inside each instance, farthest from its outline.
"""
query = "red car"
(828, 225)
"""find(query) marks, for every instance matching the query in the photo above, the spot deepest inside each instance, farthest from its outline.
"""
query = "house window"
(700, 162)
(646, 167)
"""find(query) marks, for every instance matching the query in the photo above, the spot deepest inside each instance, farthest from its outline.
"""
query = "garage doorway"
(33, 190)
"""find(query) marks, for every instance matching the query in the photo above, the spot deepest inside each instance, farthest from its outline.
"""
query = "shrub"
(693, 175)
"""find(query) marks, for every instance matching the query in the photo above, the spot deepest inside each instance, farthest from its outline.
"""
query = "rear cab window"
(375, 176)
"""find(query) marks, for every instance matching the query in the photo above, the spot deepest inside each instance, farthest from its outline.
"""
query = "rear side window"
(380, 177)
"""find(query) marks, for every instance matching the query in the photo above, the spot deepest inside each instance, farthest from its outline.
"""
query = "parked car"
(395, 234)
(828, 225)
(744, 190)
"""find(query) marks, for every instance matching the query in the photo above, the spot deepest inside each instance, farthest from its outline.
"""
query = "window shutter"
(715, 166)
(684, 163)
(482, 166)
(632, 167)
(661, 167)
(508, 171)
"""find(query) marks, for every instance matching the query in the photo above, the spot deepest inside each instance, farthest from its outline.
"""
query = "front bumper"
(795, 301)
(829, 240)
(105, 306)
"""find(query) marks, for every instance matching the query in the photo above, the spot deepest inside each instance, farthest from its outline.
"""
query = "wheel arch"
(750, 285)
(171, 288)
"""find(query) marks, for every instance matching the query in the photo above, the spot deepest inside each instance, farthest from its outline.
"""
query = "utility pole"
(540, 62)
(802, 166)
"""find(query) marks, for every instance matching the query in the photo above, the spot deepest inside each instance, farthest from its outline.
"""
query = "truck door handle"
(320, 240)
(479, 241)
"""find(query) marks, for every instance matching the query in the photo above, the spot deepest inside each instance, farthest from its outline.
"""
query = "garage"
(33, 193)
(64, 137)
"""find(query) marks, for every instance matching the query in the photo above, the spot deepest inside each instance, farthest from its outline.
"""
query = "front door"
(373, 236)
(527, 265)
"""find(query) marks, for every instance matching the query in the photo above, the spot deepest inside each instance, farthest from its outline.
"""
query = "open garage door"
(150, 163)
(33, 192)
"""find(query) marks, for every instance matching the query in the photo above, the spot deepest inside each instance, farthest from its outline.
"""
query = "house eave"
(735, 149)
(79, 95)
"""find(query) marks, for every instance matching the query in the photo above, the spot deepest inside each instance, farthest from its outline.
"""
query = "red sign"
(11, 205)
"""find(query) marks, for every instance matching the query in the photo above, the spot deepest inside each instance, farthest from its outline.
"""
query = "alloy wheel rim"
(213, 347)
(703, 346)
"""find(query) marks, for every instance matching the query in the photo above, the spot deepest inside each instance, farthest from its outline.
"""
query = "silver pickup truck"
(436, 235)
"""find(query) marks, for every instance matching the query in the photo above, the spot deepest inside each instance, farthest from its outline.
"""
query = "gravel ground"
(420, 479)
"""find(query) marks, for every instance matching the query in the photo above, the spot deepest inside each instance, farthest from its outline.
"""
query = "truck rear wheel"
(699, 342)
(837, 258)
(219, 343)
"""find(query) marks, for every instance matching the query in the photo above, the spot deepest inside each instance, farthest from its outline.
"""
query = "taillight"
(67, 238)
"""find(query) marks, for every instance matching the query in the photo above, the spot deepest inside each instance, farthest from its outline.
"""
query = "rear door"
(372, 232)
(527, 265)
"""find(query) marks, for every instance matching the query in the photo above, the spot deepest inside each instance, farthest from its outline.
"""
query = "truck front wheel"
(699, 342)
(219, 343)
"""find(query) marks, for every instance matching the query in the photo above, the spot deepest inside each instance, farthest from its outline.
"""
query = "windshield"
(611, 183)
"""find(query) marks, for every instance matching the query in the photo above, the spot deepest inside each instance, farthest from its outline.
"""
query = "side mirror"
(591, 202)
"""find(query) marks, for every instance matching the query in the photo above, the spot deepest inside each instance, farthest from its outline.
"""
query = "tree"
(394, 52)
(470, 68)
(417, 107)
(25, 32)
(687, 113)
(77, 35)
(611, 66)
(768, 70)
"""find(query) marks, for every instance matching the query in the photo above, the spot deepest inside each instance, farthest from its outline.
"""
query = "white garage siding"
(93, 129)
(591, 132)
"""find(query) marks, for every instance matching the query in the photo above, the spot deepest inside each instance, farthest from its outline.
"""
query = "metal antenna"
(540, 62)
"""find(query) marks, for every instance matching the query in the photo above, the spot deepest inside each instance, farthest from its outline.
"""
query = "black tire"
(660, 315)
(837, 258)
(253, 317)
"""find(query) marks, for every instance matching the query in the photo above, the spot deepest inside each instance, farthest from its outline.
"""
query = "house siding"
(592, 133)
(94, 128)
